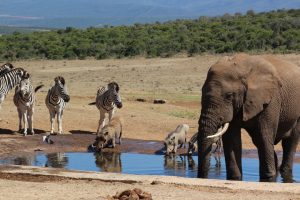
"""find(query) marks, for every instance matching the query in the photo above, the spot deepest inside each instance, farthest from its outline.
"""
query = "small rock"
(159, 101)
(141, 100)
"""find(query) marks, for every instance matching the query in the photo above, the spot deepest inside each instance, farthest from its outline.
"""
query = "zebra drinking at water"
(5, 68)
(107, 99)
(56, 100)
(9, 80)
(24, 99)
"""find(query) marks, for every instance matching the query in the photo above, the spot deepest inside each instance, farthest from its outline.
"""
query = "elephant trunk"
(208, 125)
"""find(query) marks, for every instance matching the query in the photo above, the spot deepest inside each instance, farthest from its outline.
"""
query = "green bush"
(275, 31)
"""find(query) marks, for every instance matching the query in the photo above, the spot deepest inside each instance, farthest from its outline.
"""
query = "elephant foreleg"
(232, 145)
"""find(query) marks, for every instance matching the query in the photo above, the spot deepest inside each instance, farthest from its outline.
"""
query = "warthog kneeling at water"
(108, 135)
(176, 138)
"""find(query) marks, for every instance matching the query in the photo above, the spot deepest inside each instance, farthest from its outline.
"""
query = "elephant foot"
(286, 174)
(235, 178)
(268, 178)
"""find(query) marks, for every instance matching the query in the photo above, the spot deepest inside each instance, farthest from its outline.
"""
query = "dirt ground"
(177, 80)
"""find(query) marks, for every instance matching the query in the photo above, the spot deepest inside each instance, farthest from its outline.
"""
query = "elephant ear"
(262, 83)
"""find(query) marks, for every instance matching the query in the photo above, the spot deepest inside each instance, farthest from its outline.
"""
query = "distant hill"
(274, 31)
(86, 13)
(12, 29)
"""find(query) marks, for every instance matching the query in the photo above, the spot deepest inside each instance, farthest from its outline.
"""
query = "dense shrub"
(275, 31)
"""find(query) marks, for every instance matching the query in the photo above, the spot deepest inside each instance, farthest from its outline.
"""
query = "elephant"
(260, 94)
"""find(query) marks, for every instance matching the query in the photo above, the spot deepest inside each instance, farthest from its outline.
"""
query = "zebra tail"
(93, 103)
(38, 87)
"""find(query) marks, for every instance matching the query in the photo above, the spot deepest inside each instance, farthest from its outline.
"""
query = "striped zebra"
(9, 80)
(193, 145)
(56, 100)
(6, 68)
(24, 100)
(107, 99)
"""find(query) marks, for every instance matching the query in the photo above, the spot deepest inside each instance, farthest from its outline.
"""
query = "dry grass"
(178, 80)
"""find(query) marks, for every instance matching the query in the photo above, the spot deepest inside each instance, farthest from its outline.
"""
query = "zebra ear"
(26, 75)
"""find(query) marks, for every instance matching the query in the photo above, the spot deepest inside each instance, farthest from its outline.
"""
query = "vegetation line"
(275, 31)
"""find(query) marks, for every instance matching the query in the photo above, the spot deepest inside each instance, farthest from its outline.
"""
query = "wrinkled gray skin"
(176, 138)
(260, 94)
(108, 135)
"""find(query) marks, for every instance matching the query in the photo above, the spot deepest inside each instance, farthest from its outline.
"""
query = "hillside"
(12, 29)
(275, 31)
(86, 13)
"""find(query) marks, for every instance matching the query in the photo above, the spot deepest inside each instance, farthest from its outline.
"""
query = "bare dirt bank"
(44, 183)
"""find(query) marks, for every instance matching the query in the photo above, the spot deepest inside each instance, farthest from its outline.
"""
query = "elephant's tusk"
(221, 132)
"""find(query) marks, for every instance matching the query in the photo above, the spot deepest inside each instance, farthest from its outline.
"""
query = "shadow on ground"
(82, 132)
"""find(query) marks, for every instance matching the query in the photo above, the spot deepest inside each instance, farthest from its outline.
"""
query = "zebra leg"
(20, 120)
(111, 114)
(25, 122)
(59, 122)
(30, 120)
(52, 116)
(101, 122)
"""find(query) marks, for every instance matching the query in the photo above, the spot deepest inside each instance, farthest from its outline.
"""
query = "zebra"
(9, 80)
(6, 68)
(24, 100)
(56, 100)
(193, 146)
(107, 99)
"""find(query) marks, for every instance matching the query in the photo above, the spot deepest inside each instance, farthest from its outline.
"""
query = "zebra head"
(20, 74)
(6, 68)
(114, 88)
(61, 88)
(25, 87)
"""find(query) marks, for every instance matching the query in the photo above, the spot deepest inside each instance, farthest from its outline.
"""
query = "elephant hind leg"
(289, 146)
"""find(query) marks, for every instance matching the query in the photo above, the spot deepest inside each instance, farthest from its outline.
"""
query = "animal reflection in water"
(57, 160)
(108, 161)
(25, 160)
(182, 164)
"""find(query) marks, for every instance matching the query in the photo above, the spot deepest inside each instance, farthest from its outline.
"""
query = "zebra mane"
(25, 75)
(114, 85)
(60, 79)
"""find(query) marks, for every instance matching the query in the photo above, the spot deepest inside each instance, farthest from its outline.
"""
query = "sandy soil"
(178, 80)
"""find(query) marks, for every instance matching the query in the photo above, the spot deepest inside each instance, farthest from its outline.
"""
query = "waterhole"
(134, 163)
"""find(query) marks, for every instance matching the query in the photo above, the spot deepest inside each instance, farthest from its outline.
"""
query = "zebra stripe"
(24, 100)
(107, 99)
(9, 80)
(56, 101)
(5, 68)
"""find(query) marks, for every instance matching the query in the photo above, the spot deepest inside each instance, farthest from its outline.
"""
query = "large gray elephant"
(260, 94)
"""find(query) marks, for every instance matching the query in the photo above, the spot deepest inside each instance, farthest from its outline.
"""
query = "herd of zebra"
(57, 97)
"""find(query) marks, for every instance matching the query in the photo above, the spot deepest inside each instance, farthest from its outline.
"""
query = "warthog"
(193, 145)
(176, 138)
(108, 135)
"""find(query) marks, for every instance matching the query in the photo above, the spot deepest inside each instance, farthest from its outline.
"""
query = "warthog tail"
(93, 103)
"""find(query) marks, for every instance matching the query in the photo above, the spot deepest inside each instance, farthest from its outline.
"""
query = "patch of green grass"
(185, 114)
